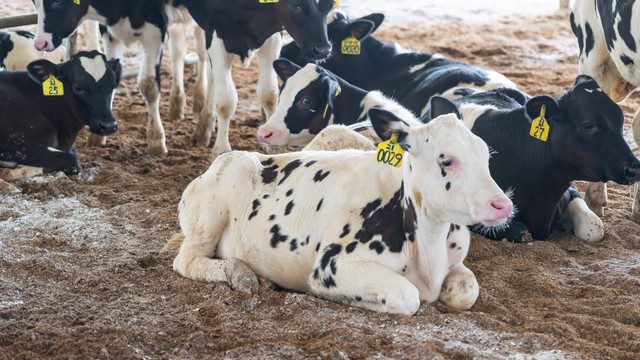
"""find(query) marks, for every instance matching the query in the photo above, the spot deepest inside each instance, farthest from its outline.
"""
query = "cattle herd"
(404, 152)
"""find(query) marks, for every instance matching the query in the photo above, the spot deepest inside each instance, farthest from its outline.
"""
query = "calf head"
(590, 130)
(446, 167)
(91, 80)
(305, 106)
(306, 22)
(339, 27)
(57, 19)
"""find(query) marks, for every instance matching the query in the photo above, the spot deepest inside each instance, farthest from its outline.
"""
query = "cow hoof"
(96, 140)
(158, 150)
(241, 277)
(198, 104)
(460, 288)
(72, 171)
(176, 114)
(6, 188)
(200, 140)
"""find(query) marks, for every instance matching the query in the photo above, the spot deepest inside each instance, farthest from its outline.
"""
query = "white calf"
(344, 227)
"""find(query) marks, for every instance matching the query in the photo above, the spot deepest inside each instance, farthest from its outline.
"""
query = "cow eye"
(587, 126)
(57, 2)
(446, 162)
(78, 90)
(306, 101)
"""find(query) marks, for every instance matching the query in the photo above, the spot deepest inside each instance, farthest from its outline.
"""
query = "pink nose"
(43, 45)
(265, 135)
(502, 207)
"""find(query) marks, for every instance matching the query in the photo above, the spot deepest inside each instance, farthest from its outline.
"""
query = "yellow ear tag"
(263, 1)
(351, 46)
(77, 2)
(335, 4)
(327, 107)
(540, 126)
(389, 152)
(52, 87)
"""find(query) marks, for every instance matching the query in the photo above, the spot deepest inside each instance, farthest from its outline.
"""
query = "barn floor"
(82, 274)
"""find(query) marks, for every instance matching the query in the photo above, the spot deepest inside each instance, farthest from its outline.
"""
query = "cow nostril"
(497, 205)
(630, 171)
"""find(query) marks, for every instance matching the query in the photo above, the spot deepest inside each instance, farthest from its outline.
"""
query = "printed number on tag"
(77, 2)
(335, 3)
(389, 152)
(540, 126)
(351, 46)
(263, 1)
(52, 87)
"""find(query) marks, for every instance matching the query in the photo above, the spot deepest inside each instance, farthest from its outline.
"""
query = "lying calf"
(17, 50)
(344, 227)
(45, 107)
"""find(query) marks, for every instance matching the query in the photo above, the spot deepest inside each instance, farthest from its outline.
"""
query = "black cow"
(411, 78)
(39, 130)
(609, 53)
(17, 51)
(584, 142)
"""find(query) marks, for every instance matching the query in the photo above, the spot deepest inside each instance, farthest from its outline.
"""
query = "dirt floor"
(82, 274)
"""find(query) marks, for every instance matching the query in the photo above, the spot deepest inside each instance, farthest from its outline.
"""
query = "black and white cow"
(608, 34)
(584, 142)
(17, 51)
(39, 129)
(313, 98)
(343, 226)
(411, 78)
(128, 21)
(240, 28)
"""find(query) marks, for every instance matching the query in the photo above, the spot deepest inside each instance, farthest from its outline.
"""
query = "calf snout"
(495, 212)
(632, 172)
(103, 127)
(265, 135)
(320, 52)
(44, 42)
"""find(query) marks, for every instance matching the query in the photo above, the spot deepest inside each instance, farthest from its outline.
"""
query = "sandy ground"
(82, 275)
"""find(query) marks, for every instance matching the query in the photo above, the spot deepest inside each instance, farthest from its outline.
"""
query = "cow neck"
(347, 105)
(429, 249)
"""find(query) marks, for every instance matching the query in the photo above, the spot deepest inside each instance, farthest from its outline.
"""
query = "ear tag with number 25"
(540, 126)
(52, 87)
(389, 152)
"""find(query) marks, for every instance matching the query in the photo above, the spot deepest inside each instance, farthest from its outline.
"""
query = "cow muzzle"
(632, 173)
(103, 127)
(44, 42)
(496, 212)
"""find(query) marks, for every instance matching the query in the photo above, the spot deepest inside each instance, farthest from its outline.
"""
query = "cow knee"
(240, 276)
(149, 89)
(6, 188)
(405, 302)
(460, 288)
(586, 224)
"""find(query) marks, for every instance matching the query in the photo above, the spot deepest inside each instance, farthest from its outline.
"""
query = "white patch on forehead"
(377, 99)
(94, 66)
(471, 112)
(421, 66)
(333, 15)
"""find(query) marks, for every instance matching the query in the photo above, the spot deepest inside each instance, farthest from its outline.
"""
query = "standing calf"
(343, 226)
(39, 130)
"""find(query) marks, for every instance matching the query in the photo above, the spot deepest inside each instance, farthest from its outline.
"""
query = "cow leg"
(113, 49)
(6, 188)
(149, 83)
(578, 218)
(19, 172)
(596, 197)
(52, 159)
(635, 126)
(268, 80)
(365, 284)
(564, 4)
(199, 88)
(177, 49)
(460, 288)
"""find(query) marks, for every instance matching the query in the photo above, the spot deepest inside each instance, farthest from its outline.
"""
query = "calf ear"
(386, 123)
(441, 106)
(114, 65)
(582, 78)
(533, 107)
(360, 29)
(376, 19)
(333, 90)
(285, 68)
(39, 70)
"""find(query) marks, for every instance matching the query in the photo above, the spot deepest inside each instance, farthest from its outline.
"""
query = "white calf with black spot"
(343, 226)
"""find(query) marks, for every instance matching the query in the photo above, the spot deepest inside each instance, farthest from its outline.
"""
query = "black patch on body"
(453, 245)
(289, 207)
(377, 246)
(345, 230)
(294, 245)
(589, 40)
(448, 186)
(277, 237)
(319, 205)
(351, 247)
(328, 282)
(385, 220)
(272, 217)
(288, 169)
(256, 207)
(320, 176)
(289, 192)
(329, 254)
(310, 163)
(318, 247)
(269, 174)
(626, 60)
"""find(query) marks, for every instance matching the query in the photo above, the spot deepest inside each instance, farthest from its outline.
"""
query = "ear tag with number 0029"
(540, 126)
(52, 87)
(336, 3)
(350, 46)
(389, 152)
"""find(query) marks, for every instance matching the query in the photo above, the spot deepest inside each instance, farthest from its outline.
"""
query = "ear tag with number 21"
(389, 152)
(540, 126)
(52, 87)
